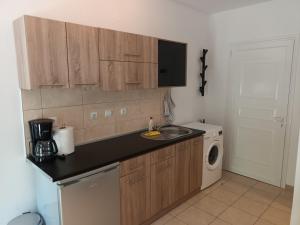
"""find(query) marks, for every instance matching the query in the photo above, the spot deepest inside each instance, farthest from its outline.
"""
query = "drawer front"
(163, 154)
(131, 165)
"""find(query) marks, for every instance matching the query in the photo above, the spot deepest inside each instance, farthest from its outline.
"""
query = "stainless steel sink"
(168, 133)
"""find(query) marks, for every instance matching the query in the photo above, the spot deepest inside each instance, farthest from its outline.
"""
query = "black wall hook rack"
(204, 68)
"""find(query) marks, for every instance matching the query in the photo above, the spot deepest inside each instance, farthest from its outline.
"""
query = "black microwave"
(171, 64)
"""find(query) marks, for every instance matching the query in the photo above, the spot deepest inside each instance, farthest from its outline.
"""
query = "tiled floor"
(234, 200)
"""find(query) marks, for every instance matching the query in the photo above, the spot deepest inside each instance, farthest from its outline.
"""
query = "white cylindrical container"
(64, 138)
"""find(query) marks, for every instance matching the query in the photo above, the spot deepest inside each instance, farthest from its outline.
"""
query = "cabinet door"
(83, 54)
(135, 197)
(182, 169)
(150, 49)
(134, 75)
(41, 52)
(110, 45)
(150, 75)
(112, 76)
(140, 75)
(133, 47)
(196, 163)
(162, 185)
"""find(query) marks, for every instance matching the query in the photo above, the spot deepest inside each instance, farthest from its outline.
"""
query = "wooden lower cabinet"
(131, 165)
(196, 163)
(154, 183)
(135, 190)
(162, 185)
(182, 169)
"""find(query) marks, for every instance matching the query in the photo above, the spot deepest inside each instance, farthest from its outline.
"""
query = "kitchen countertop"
(95, 155)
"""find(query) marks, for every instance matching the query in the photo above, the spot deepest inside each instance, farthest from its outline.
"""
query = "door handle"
(279, 119)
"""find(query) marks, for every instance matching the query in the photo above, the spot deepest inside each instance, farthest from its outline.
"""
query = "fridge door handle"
(90, 177)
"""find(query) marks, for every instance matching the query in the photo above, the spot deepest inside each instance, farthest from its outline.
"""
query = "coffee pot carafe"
(44, 148)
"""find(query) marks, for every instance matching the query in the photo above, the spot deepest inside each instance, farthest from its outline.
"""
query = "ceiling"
(214, 6)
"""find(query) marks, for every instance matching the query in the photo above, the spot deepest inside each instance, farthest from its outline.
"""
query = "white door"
(260, 80)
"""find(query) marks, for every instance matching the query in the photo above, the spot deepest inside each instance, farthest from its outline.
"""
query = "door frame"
(294, 82)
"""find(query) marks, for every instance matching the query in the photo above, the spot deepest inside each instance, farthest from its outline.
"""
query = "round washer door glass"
(213, 155)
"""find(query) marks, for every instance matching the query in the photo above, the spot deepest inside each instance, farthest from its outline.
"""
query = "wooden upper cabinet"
(110, 45)
(41, 52)
(120, 76)
(150, 75)
(127, 47)
(112, 75)
(54, 53)
(83, 55)
(196, 163)
(133, 47)
(182, 169)
(150, 49)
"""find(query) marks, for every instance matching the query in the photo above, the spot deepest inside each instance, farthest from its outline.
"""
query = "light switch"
(108, 113)
(93, 115)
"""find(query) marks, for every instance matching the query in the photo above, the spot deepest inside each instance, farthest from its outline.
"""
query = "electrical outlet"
(93, 115)
(123, 111)
(108, 113)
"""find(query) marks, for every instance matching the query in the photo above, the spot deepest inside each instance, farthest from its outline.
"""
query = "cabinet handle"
(52, 85)
(133, 82)
(132, 54)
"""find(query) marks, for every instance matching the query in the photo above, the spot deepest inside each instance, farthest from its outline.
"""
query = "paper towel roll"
(64, 138)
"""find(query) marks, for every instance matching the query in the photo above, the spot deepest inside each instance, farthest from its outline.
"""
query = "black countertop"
(95, 155)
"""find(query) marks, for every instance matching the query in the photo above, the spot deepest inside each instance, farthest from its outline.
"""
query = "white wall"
(159, 18)
(266, 20)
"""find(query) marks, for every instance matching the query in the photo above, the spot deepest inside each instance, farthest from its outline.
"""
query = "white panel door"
(260, 79)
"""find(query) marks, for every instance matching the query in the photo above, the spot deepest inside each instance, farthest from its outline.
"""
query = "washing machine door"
(214, 156)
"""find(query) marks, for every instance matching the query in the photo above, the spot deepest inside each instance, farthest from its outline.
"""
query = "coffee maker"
(44, 148)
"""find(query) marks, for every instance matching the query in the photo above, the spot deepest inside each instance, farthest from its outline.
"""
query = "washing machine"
(212, 152)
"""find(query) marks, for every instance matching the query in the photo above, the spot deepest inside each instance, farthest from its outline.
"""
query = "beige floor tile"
(283, 203)
(224, 196)
(243, 180)
(287, 193)
(211, 206)
(180, 209)
(219, 222)
(263, 222)
(226, 174)
(196, 198)
(259, 195)
(213, 187)
(277, 216)
(174, 221)
(250, 206)
(194, 216)
(268, 188)
(163, 220)
(235, 187)
(237, 217)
